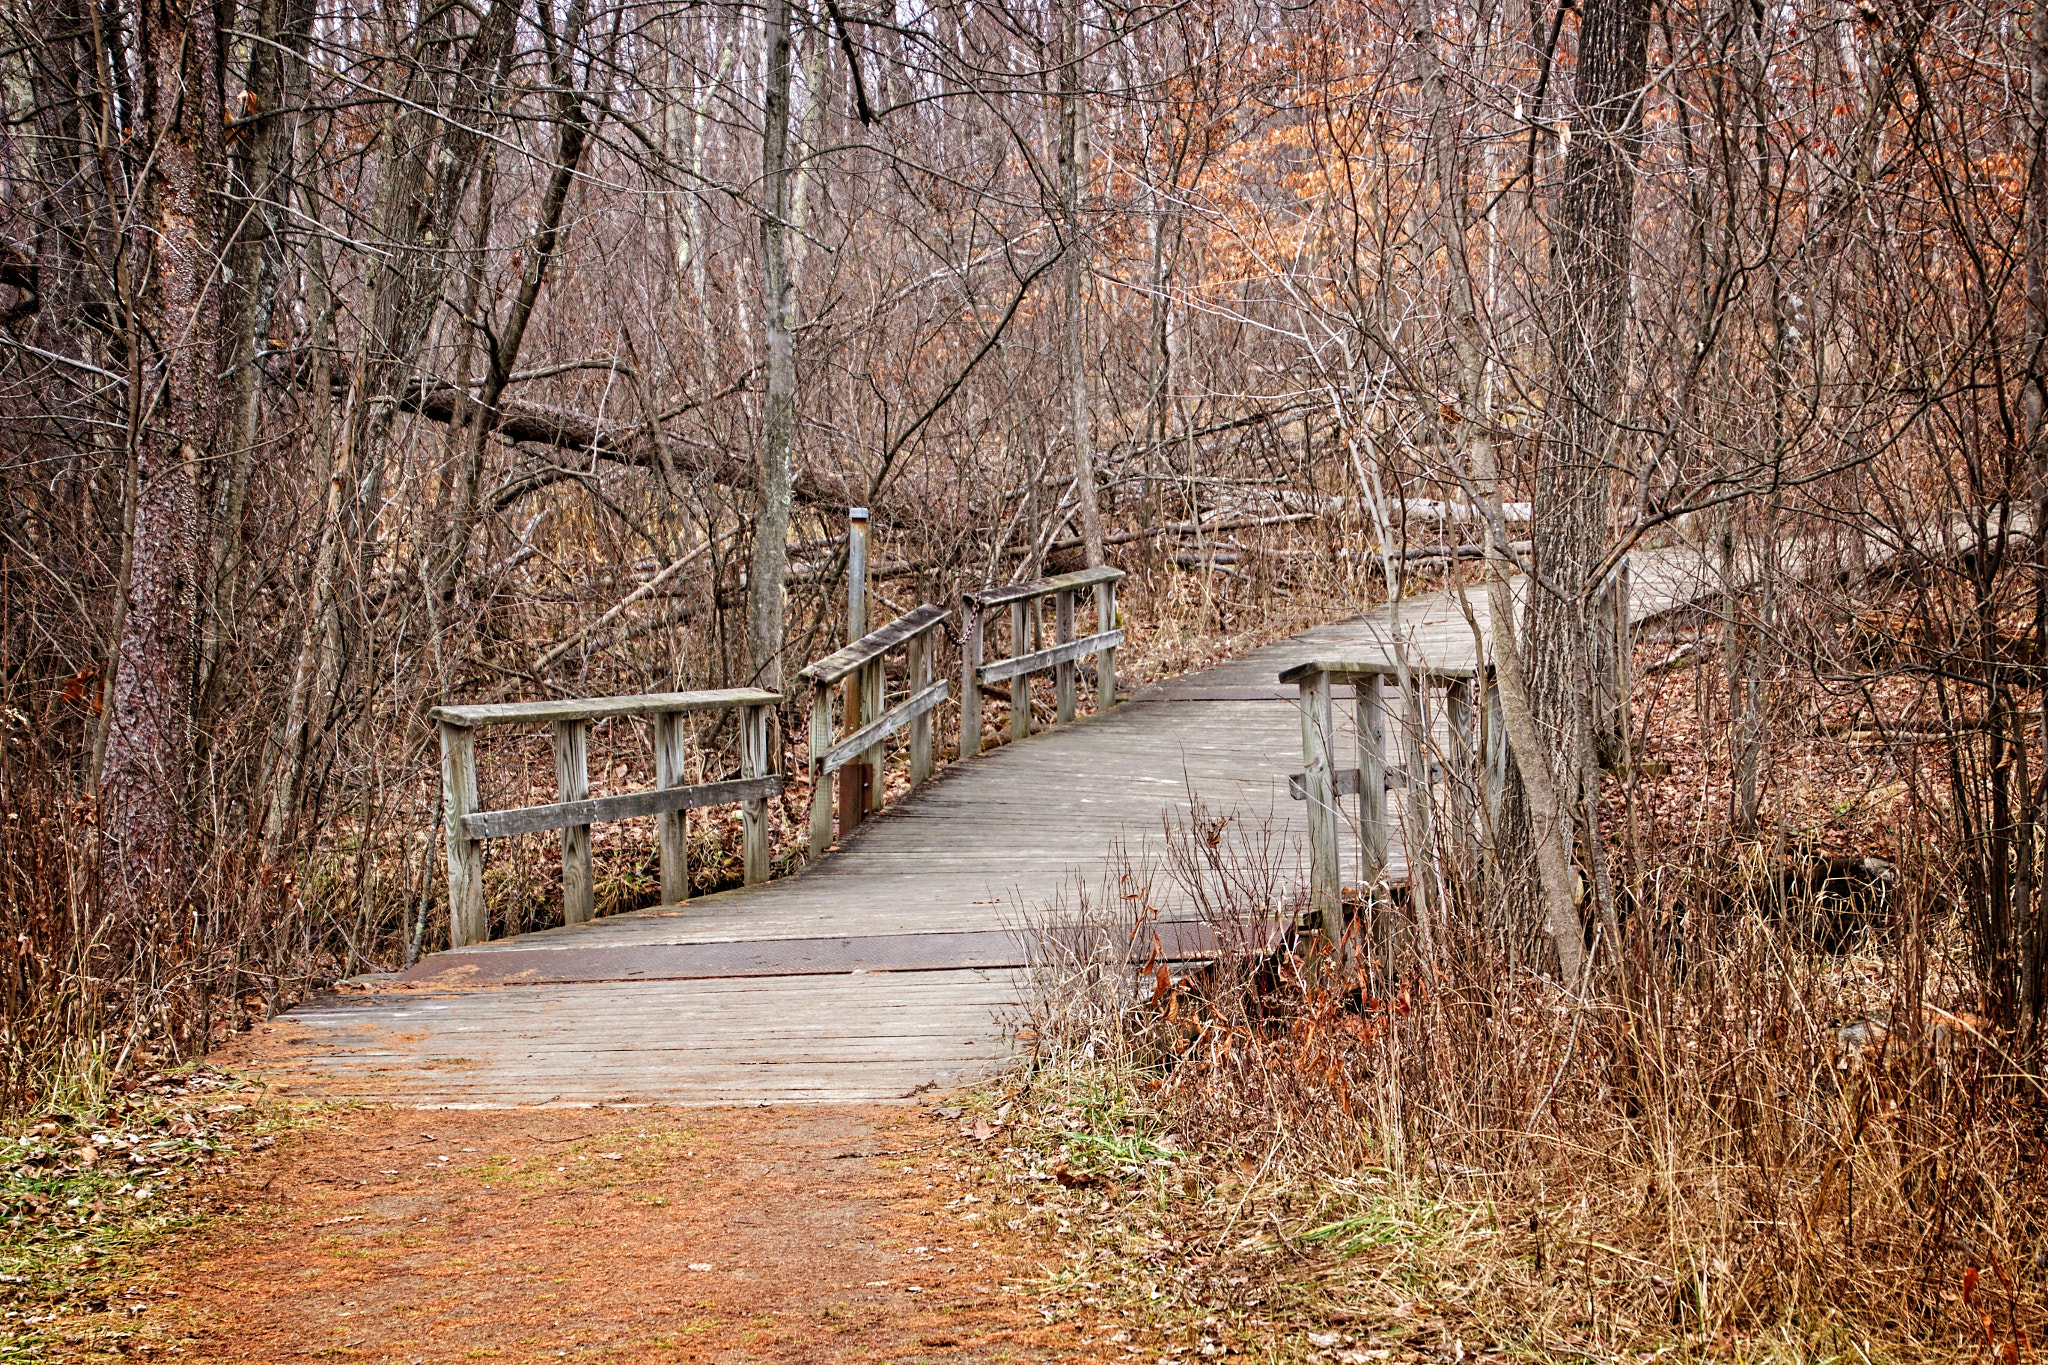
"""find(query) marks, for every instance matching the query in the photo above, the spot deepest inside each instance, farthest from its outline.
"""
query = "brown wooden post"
(672, 829)
(853, 798)
(1369, 714)
(467, 922)
(1462, 789)
(821, 781)
(874, 700)
(572, 783)
(1020, 685)
(1318, 781)
(921, 728)
(1419, 833)
(1105, 660)
(754, 814)
(970, 676)
(1063, 631)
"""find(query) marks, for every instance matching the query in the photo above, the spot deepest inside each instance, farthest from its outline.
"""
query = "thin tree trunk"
(1550, 825)
(769, 564)
(1588, 361)
(1073, 185)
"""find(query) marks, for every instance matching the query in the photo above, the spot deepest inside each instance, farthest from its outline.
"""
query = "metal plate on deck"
(989, 949)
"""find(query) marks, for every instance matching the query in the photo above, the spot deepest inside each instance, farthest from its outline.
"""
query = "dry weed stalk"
(1739, 1139)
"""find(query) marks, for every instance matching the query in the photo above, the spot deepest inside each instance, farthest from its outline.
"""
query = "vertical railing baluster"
(920, 728)
(754, 813)
(1105, 659)
(1020, 685)
(467, 922)
(970, 676)
(572, 783)
(821, 781)
(1325, 887)
(672, 828)
(1063, 676)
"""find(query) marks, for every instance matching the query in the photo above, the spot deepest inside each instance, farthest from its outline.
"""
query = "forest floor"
(755, 1234)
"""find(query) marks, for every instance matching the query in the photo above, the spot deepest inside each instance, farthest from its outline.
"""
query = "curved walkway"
(884, 970)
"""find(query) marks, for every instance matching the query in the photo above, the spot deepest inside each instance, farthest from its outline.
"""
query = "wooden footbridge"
(886, 968)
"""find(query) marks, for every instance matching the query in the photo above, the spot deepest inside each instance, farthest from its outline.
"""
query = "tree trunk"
(144, 834)
(1588, 361)
(1473, 435)
(769, 565)
(1073, 184)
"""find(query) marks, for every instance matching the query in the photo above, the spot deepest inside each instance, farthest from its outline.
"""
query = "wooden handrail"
(1004, 593)
(836, 666)
(1061, 657)
(863, 661)
(467, 827)
(1474, 768)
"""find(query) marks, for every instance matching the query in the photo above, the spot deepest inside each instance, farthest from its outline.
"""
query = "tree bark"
(1588, 362)
(144, 824)
(768, 566)
(1073, 183)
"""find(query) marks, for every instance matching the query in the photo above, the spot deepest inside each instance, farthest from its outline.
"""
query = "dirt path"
(788, 1234)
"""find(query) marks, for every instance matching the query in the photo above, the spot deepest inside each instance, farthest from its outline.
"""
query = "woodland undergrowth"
(1735, 1146)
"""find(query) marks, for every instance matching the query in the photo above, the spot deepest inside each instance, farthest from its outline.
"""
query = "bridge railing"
(1445, 751)
(862, 735)
(576, 811)
(1061, 657)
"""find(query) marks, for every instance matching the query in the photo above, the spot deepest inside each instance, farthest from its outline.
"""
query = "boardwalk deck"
(964, 855)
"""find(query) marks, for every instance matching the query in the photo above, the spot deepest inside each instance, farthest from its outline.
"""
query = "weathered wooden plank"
(1040, 660)
(1044, 587)
(672, 830)
(754, 765)
(865, 738)
(1317, 734)
(1105, 662)
(572, 784)
(921, 723)
(502, 824)
(1020, 692)
(1348, 668)
(904, 629)
(600, 708)
(821, 784)
(467, 918)
(1063, 672)
(971, 637)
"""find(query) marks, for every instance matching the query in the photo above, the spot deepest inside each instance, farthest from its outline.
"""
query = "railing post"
(1105, 659)
(821, 781)
(1459, 760)
(1020, 686)
(874, 698)
(572, 783)
(852, 778)
(921, 728)
(754, 814)
(672, 829)
(466, 920)
(1419, 835)
(1369, 713)
(1325, 890)
(1063, 632)
(970, 676)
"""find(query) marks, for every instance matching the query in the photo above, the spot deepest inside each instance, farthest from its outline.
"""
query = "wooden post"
(672, 829)
(572, 783)
(1370, 715)
(1325, 889)
(1459, 756)
(970, 676)
(1370, 712)
(1105, 660)
(1063, 631)
(467, 923)
(852, 778)
(921, 728)
(754, 814)
(874, 698)
(1418, 835)
(1020, 685)
(821, 781)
